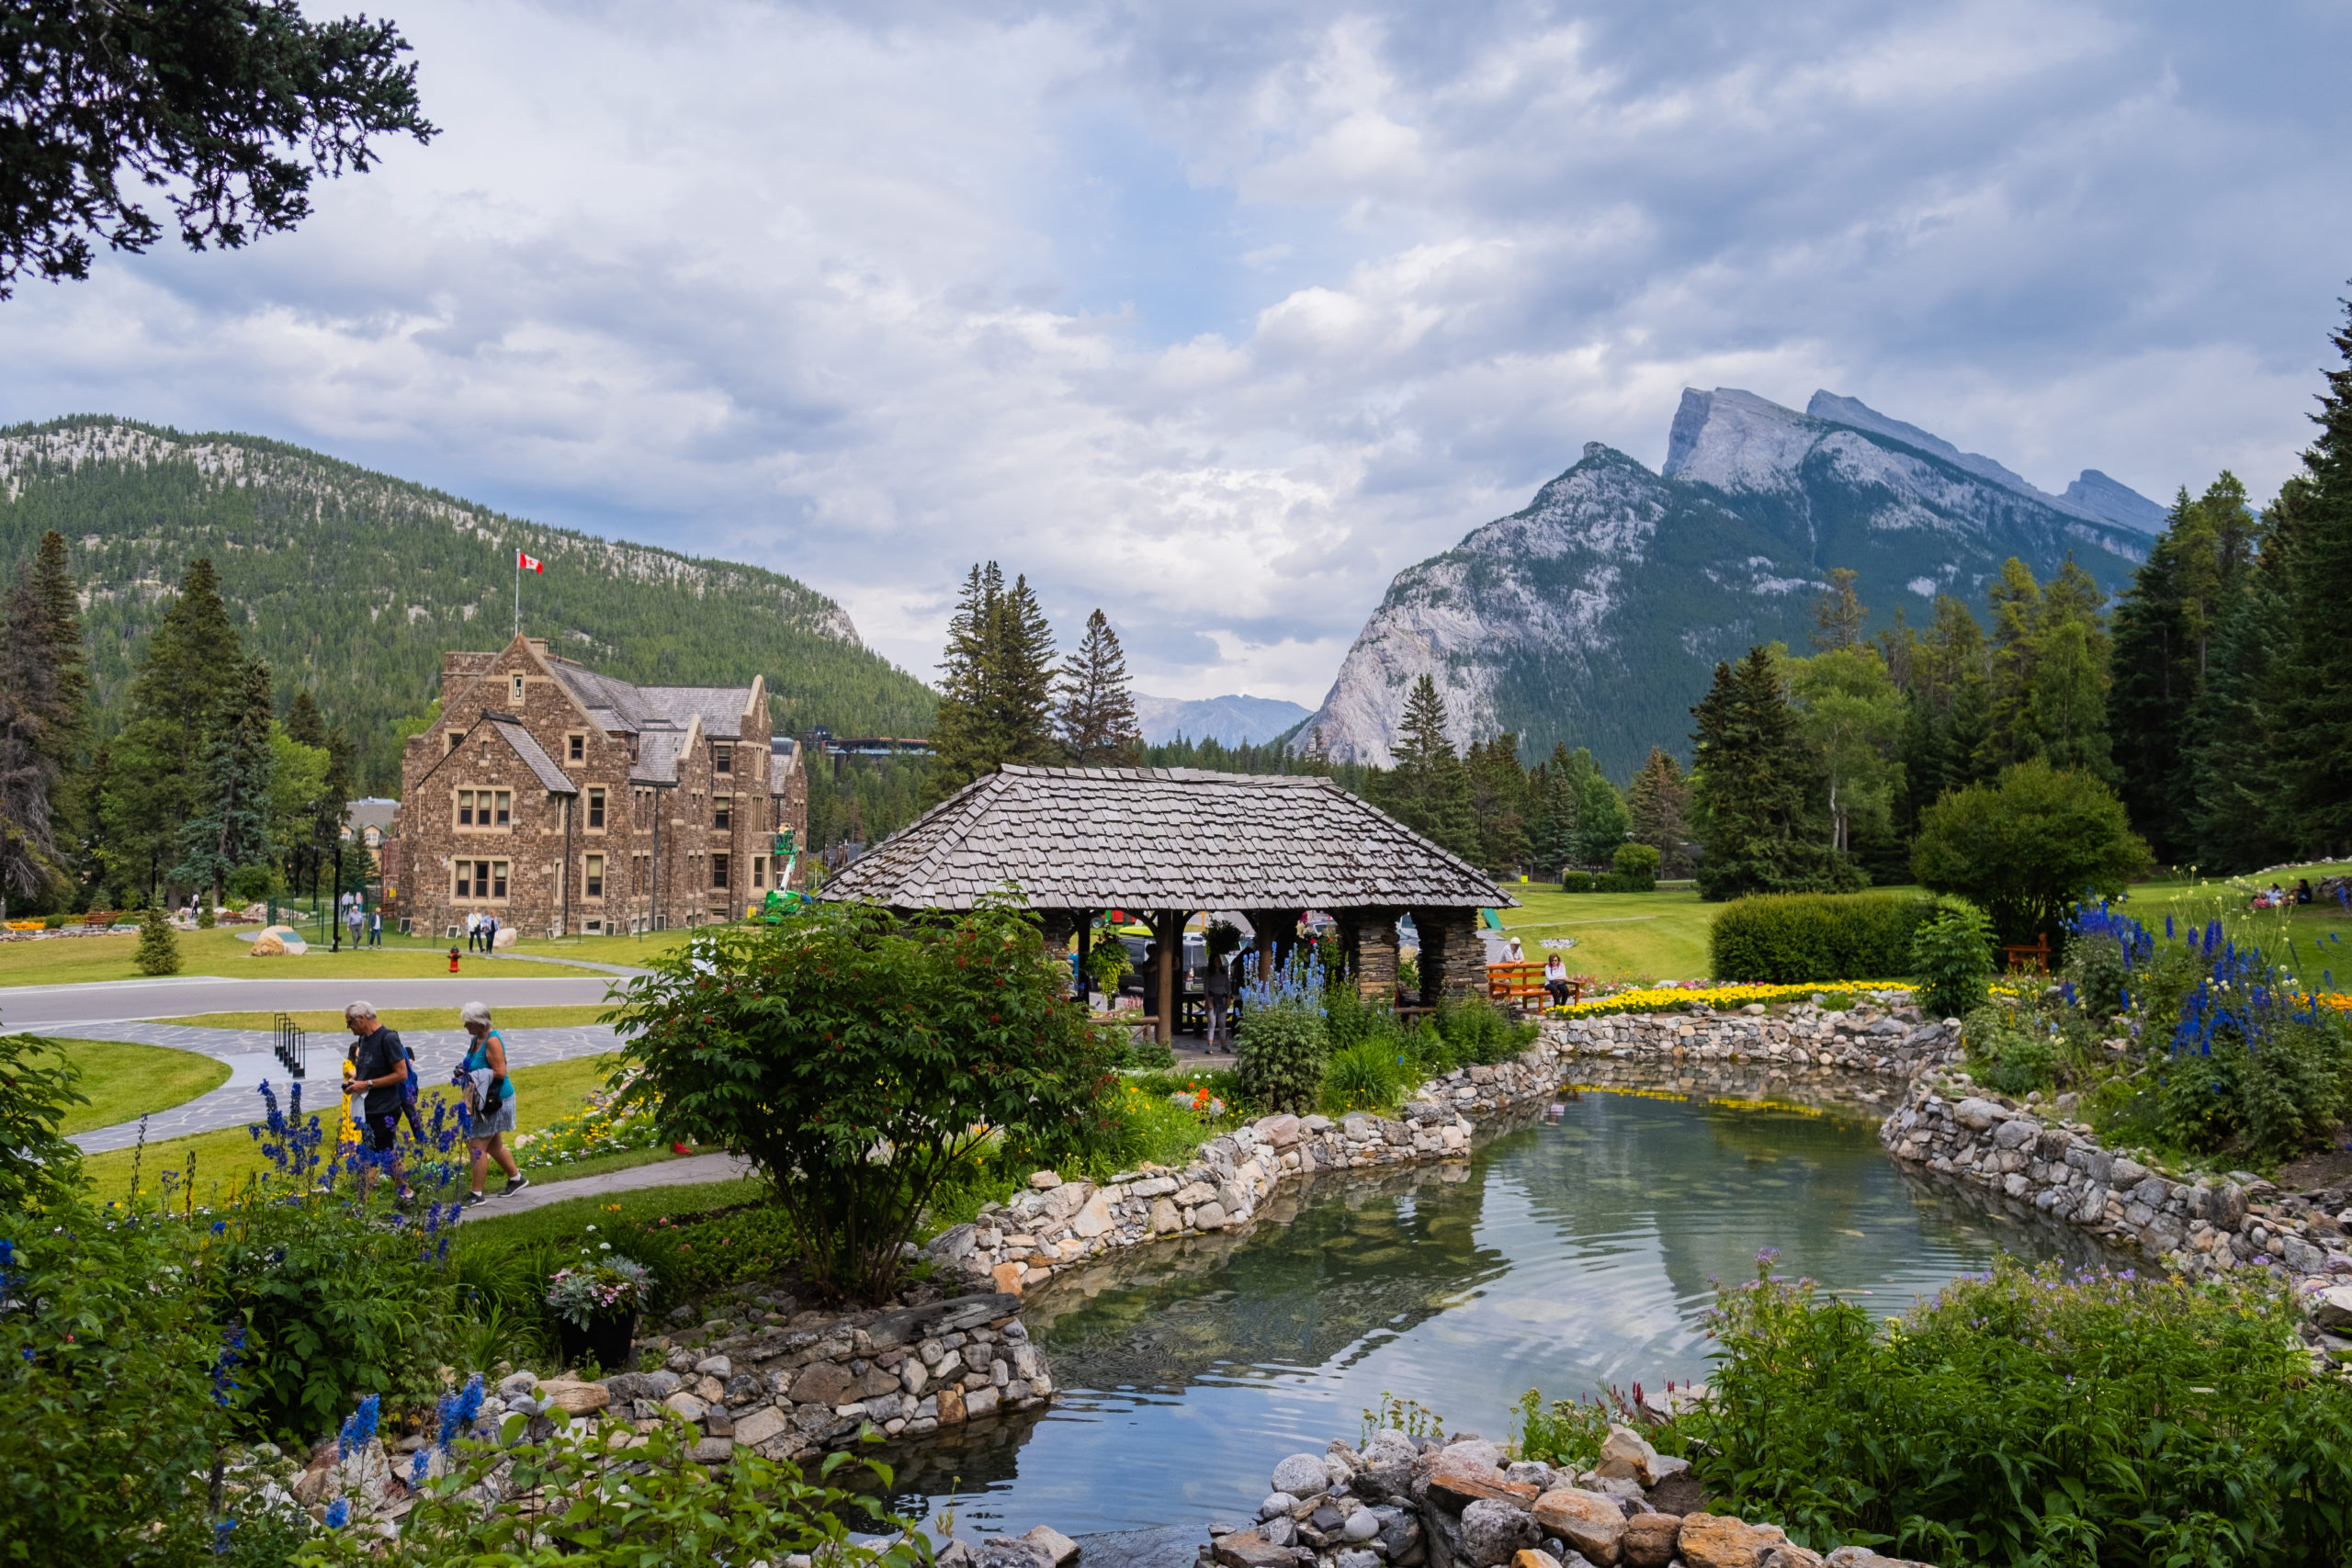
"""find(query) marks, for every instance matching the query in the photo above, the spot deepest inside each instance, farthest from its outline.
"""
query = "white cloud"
(1216, 316)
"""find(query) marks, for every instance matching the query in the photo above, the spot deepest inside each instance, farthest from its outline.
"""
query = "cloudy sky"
(1215, 314)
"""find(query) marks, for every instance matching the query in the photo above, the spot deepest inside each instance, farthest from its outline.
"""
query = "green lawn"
(124, 1082)
(71, 960)
(328, 1020)
(1619, 936)
(543, 1094)
(2314, 940)
(568, 1220)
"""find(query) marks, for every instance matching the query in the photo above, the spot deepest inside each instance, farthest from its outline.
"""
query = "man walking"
(381, 1073)
(376, 927)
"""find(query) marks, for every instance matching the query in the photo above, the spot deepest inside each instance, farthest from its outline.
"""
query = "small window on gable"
(518, 691)
(456, 737)
(579, 747)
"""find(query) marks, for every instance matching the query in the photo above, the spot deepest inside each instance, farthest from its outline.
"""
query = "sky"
(1217, 315)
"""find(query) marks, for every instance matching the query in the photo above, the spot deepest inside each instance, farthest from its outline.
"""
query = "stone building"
(564, 801)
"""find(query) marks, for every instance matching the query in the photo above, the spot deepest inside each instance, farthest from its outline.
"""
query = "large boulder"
(1626, 1454)
(1649, 1540)
(1592, 1522)
(1494, 1532)
(1458, 1480)
(1248, 1548)
(1303, 1476)
(2332, 1308)
(1718, 1540)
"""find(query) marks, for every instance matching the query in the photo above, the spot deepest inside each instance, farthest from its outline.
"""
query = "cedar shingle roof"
(1162, 838)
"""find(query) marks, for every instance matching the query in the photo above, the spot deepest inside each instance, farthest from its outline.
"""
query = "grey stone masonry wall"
(1865, 1038)
(1057, 1223)
(2199, 1225)
(790, 1391)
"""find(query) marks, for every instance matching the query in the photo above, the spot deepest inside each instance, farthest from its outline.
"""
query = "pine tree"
(159, 949)
(230, 827)
(186, 681)
(2317, 679)
(1658, 805)
(1428, 789)
(2015, 600)
(1098, 713)
(1753, 789)
(1838, 614)
(1554, 844)
(304, 723)
(2152, 689)
(2232, 747)
(1498, 802)
(29, 712)
(67, 714)
(996, 697)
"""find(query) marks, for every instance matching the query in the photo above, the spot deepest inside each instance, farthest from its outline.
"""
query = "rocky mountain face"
(353, 583)
(1596, 615)
(1236, 719)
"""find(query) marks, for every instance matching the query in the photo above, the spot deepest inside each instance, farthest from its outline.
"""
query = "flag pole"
(518, 591)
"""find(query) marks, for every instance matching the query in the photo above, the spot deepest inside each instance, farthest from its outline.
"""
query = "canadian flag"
(529, 563)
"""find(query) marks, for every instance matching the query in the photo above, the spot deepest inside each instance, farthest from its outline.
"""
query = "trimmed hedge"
(1788, 939)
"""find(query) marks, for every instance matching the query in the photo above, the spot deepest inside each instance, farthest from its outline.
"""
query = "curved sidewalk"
(73, 1010)
(250, 1056)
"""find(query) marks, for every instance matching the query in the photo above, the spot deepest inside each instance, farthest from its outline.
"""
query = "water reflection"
(1570, 1252)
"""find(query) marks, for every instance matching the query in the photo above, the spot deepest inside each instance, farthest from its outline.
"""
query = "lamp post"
(335, 944)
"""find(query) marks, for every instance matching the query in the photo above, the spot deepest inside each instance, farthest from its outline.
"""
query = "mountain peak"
(1735, 440)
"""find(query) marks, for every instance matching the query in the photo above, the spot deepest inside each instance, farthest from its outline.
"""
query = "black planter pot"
(606, 1339)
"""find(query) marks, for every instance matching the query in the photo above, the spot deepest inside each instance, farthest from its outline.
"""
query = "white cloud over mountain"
(1217, 315)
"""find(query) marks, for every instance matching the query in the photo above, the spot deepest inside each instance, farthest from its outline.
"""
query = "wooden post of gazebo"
(1169, 927)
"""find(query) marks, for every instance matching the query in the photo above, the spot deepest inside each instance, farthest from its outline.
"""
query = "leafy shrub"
(584, 1508)
(1475, 1031)
(2026, 846)
(1145, 1052)
(38, 1165)
(1632, 869)
(2032, 1416)
(846, 1029)
(2008, 1053)
(2249, 1064)
(2105, 947)
(110, 1409)
(159, 948)
(1791, 938)
(1367, 1076)
(1281, 1053)
(1575, 880)
(1951, 959)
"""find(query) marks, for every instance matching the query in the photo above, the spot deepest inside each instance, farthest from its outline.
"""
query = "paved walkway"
(688, 1172)
(70, 1009)
(250, 1056)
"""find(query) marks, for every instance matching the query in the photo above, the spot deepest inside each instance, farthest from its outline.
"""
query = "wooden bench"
(2030, 958)
(98, 918)
(1520, 985)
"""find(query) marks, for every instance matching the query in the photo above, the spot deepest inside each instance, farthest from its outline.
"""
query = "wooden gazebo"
(1171, 841)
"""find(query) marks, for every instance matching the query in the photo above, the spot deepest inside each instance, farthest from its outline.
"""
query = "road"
(51, 1010)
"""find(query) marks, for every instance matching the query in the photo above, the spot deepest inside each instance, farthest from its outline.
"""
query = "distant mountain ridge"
(354, 583)
(1234, 720)
(1594, 615)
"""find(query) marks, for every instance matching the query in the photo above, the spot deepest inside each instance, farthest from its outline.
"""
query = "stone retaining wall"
(2196, 1226)
(1864, 1039)
(1056, 1225)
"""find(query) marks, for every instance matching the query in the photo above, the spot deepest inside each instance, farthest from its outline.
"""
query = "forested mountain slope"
(1594, 615)
(352, 583)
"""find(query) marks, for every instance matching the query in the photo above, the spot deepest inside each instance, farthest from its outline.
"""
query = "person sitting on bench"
(1555, 980)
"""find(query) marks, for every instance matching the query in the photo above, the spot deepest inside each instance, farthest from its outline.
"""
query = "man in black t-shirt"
(380, 1064)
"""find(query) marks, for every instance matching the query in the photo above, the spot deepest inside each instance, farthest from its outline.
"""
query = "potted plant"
(595, 1304)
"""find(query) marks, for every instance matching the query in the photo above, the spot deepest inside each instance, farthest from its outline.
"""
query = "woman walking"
(490, 1101)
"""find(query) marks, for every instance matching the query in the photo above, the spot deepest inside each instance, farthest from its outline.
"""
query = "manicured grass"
(328, 1020)
(125, 1081)
(71, 960)
(2315, 940)
(1619, 936)
(565, 1221)
(542, 1094)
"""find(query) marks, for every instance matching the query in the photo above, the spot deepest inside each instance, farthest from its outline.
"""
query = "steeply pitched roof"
(551, 777)
(657, 756)
(618, 705)
(1162, 838)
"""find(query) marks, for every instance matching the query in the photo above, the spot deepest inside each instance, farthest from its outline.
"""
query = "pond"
(1577, 1250)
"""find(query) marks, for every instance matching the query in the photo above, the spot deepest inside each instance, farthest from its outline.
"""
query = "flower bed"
(594, 1129)
(1721, 999)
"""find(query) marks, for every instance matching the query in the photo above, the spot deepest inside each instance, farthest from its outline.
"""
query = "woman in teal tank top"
(490, 1101)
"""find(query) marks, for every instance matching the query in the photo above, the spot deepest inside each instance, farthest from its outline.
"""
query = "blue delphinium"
(338, 1513)
(232, 1344)
(359, 1427)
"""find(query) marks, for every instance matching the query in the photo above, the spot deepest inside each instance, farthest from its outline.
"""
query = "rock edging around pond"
(1949, 1126)
(1020, 1244)
(1867, 1039)
(1403, 1502)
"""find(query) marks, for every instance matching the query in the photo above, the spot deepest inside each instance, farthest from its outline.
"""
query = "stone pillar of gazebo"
(1368, 938)
(1453, 961)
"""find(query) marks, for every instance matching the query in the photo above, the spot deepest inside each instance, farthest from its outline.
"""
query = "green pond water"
(1567, 1254)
